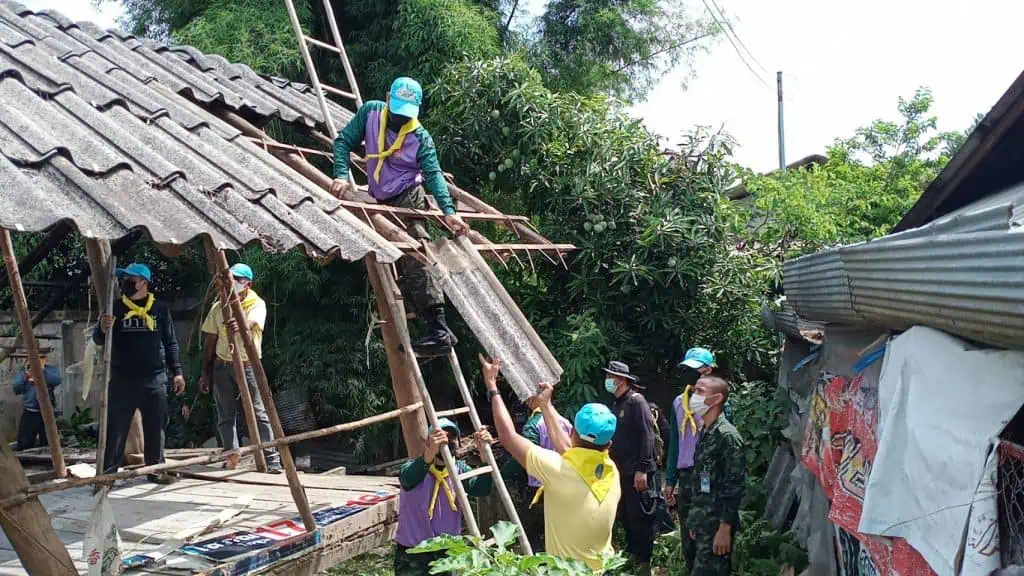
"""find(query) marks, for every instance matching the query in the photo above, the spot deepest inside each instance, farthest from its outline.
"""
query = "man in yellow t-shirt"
(217, 368)
(580, 484)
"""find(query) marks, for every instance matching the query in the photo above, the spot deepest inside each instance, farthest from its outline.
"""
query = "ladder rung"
(474, 473)
(323, 45)
(453, 412)
(337, 92)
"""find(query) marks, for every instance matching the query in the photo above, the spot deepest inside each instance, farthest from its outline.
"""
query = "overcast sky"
(844, 64)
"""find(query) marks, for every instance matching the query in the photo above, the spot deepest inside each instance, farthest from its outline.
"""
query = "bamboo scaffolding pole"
(298, 493)
(236, 363)
(74, 482)
(108, 346)
(32, 348)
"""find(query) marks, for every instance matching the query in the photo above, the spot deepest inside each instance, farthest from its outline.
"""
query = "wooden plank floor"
(149, 514)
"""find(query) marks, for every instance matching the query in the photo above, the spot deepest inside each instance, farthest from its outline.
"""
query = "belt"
(219, 362)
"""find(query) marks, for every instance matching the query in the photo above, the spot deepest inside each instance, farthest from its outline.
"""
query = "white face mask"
(238, 287)
(698, 405)
(609, 385)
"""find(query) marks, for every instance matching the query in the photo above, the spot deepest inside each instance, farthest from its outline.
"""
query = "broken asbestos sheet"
(493, 316)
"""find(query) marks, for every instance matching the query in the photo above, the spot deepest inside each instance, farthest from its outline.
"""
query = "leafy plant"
(471, 556)
(74, 429)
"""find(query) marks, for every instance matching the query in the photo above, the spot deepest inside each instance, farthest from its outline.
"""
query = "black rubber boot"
(439, 340)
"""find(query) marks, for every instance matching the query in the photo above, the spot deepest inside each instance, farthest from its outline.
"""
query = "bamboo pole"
(28, 526)
(32, 347)
(268, 398)
(403, 383)
(74, 482)
(108, 346)
(236, 363)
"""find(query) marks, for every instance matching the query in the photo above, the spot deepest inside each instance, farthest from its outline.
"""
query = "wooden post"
(32, 347)
(268, 398)
(236, 363)
(108, 347)
(414, 425)
(27, 525)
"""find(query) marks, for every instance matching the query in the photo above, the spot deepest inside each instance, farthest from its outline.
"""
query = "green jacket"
(416, 161)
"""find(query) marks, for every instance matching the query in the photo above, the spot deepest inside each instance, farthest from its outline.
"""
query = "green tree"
(868, 183)
(654, 272)
(620, 47)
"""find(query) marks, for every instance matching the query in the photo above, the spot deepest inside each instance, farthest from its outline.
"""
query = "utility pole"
(782, 130)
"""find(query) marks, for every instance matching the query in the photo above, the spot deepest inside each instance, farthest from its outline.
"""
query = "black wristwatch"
(491, 394)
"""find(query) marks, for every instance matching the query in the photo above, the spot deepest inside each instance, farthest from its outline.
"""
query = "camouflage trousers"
(414, 280)
(705, 563)
(413, 564)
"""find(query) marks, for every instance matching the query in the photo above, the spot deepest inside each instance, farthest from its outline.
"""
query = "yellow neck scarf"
(382, 133)
(687, 413)
(595, 467)
(141, 312)
(250, 300)
(440, 476)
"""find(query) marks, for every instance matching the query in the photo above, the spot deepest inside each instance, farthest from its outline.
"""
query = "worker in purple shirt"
(400, 162)
(427, 505)
(686, 429)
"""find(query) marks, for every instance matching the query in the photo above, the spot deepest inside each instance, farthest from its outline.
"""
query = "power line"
(737, 37)
(734, 46)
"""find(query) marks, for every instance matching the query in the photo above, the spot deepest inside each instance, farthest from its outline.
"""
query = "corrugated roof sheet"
(960, 273)
(94, 128)
(495, 319)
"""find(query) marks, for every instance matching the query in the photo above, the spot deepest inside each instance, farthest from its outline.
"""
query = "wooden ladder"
(397, 309)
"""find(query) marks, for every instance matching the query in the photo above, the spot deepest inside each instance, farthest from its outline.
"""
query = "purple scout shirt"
(687, 437)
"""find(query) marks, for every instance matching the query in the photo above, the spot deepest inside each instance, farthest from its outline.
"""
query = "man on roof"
(400, 162)
(427, 505)
(145, 349)
(580, 485)
(685, 427)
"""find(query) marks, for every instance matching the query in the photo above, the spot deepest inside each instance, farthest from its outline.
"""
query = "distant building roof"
(101, 129)
(739, 191)
(988, 162)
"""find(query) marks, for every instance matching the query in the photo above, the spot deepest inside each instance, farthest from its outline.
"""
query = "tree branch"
(508, 22)
(663, 50)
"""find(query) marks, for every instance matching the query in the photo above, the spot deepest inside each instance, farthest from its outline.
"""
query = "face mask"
(238, 287)
(689, 376)
(128, 287)
(698, 405)
(609, 385)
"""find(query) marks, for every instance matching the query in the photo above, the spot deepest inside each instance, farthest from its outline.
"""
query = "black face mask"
(396, 121)
(689, 376)
(128, 287)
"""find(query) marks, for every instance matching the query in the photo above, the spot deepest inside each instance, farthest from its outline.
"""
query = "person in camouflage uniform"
(716, 485)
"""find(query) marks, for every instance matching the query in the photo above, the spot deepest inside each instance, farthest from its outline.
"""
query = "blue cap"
(595, 423)
(135, 269)
(447, 425)
(241, 271)
(698, 358)
(405, 97)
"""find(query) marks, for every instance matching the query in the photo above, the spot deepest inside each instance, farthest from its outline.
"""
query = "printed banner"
(228, 546)
(839, 448)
